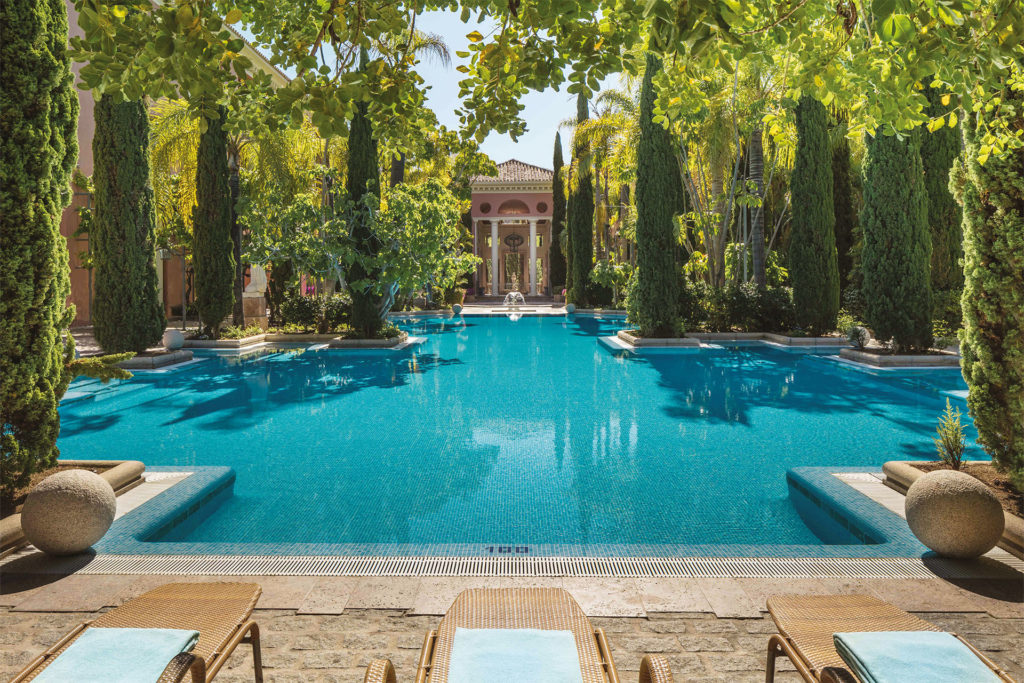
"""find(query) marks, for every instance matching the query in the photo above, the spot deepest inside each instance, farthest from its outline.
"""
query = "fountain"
(515, 298)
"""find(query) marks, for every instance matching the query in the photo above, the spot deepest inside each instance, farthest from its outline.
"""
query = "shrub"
(746, 307)
(453, 296)
(951, 441)
(239, 332)
(946, 307)
(858, 336)
(691, 304)
(775, 311)
(321, 313)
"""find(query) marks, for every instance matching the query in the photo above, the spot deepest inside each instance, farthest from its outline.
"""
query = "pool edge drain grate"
(611, 567)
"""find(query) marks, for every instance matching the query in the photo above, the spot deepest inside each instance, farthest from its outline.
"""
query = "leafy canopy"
(870, 60)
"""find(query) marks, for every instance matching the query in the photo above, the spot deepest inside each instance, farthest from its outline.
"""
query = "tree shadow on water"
(259, 387)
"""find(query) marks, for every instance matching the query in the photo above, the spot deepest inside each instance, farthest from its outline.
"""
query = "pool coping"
(124, 549)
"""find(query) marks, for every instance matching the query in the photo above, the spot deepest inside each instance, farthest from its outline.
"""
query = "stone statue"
(257, 280)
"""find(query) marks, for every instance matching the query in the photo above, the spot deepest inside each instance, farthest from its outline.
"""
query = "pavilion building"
(511, 225)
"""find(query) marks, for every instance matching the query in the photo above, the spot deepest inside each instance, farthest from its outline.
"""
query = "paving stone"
(672, 595)
(384, 593)
(436, 594)
(328, 595)
(76, 593)
(606, 597)
(727, 598)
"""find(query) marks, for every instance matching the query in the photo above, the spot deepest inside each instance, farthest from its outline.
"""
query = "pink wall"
(496, 199)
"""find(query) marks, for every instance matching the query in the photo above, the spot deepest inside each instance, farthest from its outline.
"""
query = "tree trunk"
(716, 255)
(237, 316)
(756, 151)
(398, 169)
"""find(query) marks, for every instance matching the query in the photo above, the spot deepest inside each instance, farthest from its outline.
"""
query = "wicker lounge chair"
(218, 611)
(537, 608)
(807, 623)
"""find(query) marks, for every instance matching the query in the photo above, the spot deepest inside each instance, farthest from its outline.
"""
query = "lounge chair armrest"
(380, 671)
(655, 669)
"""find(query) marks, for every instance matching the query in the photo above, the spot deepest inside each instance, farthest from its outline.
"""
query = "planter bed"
(880, 360)
(299, 337)
(769, 337)
(900, 474)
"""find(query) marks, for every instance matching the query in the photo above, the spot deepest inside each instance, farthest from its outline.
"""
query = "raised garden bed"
(900, 474)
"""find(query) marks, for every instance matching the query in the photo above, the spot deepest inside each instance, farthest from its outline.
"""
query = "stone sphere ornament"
(954, 514)
(456, 309)
(570, 308)
(173, 340)
(67, 512)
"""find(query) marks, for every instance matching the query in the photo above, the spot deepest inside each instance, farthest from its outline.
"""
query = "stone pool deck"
(328, 628)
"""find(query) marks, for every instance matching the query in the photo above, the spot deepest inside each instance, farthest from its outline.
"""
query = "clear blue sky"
(542, 113)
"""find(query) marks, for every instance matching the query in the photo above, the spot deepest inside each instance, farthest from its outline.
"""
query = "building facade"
(511, 221)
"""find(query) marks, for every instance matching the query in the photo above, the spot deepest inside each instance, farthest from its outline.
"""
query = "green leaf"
(882, 8)
(164, 46)
(898, 28)
(475, 36)
(234, 16)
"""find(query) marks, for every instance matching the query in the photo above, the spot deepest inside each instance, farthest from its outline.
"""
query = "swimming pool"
(526, 434)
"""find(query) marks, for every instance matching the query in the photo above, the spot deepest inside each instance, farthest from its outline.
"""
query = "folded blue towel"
(118, 655)
(919, 656)
(513, 655)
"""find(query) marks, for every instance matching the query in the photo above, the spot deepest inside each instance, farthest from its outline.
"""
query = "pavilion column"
(533, 257)
(494, 258)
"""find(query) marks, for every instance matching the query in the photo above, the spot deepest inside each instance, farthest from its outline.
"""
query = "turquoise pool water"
(526, 434)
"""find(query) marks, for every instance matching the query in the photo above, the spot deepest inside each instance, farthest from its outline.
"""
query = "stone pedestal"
(254, 308)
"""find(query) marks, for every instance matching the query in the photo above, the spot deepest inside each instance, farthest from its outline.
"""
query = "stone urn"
(173, 340)
(954, 514)
(570, 308)
(456, 308)
(67, 512)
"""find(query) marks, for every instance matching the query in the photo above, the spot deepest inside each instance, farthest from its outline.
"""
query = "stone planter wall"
(368, 343)
(156, 361)
(123, 476)
(900, 474)
(653, 342)
(945, 359)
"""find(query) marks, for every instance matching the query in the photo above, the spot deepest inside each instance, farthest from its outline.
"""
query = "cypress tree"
(38, 148)
(653, 298)
(127, 313)
(363, 177)
(897, 247)
(212, 257)
(939, 149)
(842, 198)
(813, 266)
(992, 338)
(581, 214)
(555, 255)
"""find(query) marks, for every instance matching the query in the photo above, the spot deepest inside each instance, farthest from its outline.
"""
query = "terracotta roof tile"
(515, 171)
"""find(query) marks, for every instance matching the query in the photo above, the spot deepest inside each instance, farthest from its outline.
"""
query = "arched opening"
(513, 207)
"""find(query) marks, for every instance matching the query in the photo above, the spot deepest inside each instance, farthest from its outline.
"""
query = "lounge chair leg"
(769, 667)
(257, 657)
